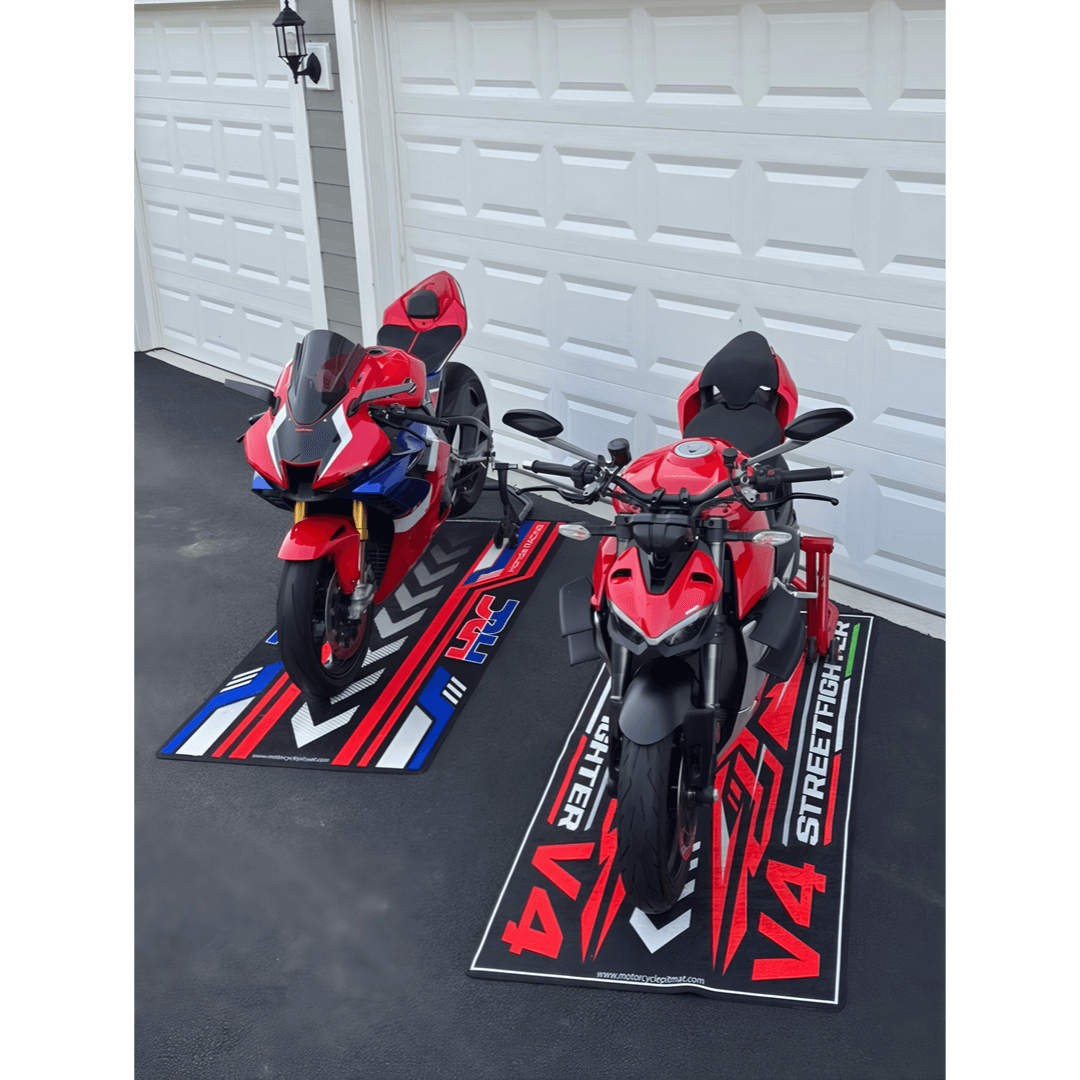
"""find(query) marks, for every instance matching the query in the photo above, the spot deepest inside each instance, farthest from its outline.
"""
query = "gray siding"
(326, 130)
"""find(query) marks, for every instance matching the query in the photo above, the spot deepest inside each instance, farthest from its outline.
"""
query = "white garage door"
(218, 173)
(622, 189)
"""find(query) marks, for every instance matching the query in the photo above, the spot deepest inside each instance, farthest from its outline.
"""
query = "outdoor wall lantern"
(291, 46)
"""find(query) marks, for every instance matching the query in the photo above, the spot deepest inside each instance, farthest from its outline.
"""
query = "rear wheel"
(462, 394)
(321, 647)
(656, 819)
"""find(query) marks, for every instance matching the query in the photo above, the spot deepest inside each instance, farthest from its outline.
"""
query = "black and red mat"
(431, 643)
(761, 916)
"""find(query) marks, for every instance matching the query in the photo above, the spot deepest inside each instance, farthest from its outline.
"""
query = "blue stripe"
(431, 696)
(494, 568)
(430, 738)
(226, 697)
(259, 484)
(432, 700)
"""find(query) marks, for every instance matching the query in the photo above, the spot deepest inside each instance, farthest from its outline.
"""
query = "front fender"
(657, 700)
(326, 535)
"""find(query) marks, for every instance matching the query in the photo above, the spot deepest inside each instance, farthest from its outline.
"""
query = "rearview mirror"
(817, 424)
(533, 422)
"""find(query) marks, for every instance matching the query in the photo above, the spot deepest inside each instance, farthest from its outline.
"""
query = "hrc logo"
(483, 630)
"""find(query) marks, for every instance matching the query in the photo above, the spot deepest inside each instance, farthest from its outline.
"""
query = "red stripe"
(352, 745)
(261, 704)
(357, 739)
(266, 723)
(833, 785)
(428, 663)
(566, 779)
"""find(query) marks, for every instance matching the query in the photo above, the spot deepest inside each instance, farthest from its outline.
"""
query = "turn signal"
(574, 532)
(771, 538)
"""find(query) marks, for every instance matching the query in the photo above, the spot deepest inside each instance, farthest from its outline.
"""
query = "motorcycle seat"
(738, 388)
(431, 346)
(750, 429)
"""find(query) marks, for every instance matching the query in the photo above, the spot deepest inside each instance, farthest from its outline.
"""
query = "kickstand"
(511, 519)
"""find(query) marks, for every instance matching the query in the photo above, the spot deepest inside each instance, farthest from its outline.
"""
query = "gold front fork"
(359, 516)
(299, 512)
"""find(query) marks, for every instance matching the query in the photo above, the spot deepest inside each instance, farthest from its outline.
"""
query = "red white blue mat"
(761, 916)
(433, 640)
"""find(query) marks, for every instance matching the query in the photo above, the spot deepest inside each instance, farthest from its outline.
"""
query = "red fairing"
(689, 403)
(413, 531)
(451, 305)
(369, 444)
(787, 402)
(605, 556)
(256, 446)
(322, 535)
(366, 443)
(698, 586)
(754, 564)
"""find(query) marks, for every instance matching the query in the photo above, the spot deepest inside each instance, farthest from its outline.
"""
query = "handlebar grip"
(806, 475)
(550, 468)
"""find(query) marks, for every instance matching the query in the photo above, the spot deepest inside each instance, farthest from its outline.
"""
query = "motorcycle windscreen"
(321, 374)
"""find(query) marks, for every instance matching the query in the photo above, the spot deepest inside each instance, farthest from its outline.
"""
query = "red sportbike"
(693, 602)
(371, 449)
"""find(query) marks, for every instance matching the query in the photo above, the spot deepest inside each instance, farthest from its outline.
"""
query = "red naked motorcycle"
(371, 449)
(694, 601)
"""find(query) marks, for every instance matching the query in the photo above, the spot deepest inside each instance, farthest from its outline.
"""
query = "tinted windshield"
(322, 373)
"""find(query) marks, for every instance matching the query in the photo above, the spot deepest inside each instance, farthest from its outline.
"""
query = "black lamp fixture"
(291, 46)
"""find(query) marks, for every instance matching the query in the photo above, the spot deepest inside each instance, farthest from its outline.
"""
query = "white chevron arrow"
(426, 576)
(375, 655)
(387, 627)
(406, 600)
(305, 730)
(356, 687)
(656, 937)
(440, 556)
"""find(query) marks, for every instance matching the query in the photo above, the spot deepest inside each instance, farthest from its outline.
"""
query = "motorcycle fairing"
(339, 445)
(326, 535)
(754, 564)
(428, 321)
(746, 371)
(782, 628)
(691, 596)
(413, 530)
(605, 556)
(576, 621)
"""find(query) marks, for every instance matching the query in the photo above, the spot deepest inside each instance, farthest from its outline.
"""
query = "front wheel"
(656, 819)
(321, 647)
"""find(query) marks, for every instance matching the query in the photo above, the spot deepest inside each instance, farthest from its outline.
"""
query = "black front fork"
(619, 665)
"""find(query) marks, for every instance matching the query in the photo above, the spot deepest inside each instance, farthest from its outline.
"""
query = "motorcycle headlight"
(674, 635)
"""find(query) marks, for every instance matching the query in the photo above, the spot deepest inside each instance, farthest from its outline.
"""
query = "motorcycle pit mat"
(761, 916)
(433, 639)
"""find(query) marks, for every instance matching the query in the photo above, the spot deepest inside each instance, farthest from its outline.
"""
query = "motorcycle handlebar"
(806, 475)
(550, 468)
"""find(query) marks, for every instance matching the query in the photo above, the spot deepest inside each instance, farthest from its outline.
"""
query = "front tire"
(322, 649)
(656, 819)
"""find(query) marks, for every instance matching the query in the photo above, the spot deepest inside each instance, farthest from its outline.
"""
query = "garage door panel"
(913, 223)
(186, 236)
(214, 59)
(228, 326)
(789, 221)
(216, 154)
(630, 186)
(741, 67)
